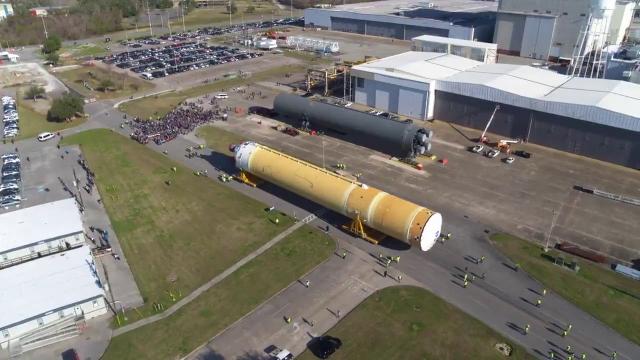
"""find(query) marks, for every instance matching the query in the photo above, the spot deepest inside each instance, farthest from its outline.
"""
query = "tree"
(105, 84)
(65, 108)
(34, 92)
(51, 44)
(232, 7)
(250, 9)
(52, 58)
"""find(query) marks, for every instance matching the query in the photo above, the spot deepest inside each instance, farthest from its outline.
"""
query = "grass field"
(218, 14)
(219, 139)
(175, 237)
(225, 303)
(84, 50)
(411, 323)
(124, 85)
(612, 298)
(159, 105)
(33, 123)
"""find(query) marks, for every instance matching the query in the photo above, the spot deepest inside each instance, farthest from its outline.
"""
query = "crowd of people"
(181, 120)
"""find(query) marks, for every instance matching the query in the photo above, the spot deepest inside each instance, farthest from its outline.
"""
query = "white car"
(509, 160)
(492, 153)
(221, 96)
(46, 136)
(477, 149)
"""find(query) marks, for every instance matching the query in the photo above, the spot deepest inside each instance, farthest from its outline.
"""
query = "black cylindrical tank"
(401, 138)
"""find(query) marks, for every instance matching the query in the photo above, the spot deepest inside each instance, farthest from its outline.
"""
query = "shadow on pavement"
(210, 354)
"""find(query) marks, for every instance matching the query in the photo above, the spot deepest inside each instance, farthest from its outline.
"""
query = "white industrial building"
(406, 19)
(475, 50)
(592, 117)
(551, 29)
(405, 83)
(39, 230)
(44, 300)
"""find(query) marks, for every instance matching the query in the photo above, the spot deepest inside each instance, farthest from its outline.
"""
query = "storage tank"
(401, 138)
(389, 214)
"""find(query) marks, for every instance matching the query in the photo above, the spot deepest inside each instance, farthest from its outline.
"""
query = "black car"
(13, 178)
(524, 154)
(262, 111)
(324, 346)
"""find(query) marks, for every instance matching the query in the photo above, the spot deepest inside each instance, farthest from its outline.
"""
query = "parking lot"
(178, 58)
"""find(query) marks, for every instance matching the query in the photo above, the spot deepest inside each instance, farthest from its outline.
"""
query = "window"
(95, 303)
(583, 15)
(548, 11)
(60, 314)
(535, 11)
(360, 82)
(40, 322)
(5, 257)
(564, 13)
(5, 333)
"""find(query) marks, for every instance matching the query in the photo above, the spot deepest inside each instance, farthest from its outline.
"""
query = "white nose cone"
(431, 232)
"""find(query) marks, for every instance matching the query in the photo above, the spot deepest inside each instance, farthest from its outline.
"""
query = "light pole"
(229, 12)
(291, 9)
(553, 224)
(46, 35)
(323, 154)
(184, 29)
(149, 16)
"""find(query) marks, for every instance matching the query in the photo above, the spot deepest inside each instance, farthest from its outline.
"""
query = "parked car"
(509, 160)
(46, 136)
(524, 154)
(476, 149)
(492, 153)
(221, 96)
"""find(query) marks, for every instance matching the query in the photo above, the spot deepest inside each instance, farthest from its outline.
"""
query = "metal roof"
(418, 66)
(24, 227)
(47, 284)
(394, 6)
(606, 102)
(455, 42)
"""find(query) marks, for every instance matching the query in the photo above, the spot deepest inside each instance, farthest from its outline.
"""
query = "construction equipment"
(484, 132)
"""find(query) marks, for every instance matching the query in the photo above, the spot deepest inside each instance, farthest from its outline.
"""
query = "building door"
(382, 99)
(412, 103)
(537, 37)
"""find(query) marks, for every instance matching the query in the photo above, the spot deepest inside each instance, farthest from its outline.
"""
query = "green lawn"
(225, 303)
(218, 15)
(612, 298)
(123, 84)
(158, 105)
(84, 50)
(175, 237)
(33, 123)
(411, 323)
(219, 139)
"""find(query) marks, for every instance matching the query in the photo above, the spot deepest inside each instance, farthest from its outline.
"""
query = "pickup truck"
(278, 354)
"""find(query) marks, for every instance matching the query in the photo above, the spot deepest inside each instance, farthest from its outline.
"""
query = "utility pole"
(229, 12)
(553, 224)
(46, 35)
(291, 9)
(323, 153)
(149, 16)
(184, 29)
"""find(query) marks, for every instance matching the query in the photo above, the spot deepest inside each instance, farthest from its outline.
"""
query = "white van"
(147, 76)
(221, 96)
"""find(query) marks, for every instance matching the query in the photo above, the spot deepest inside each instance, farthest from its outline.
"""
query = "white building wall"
(314, 17)
(11, 256)
(89, 309)
(620, 22)
(396, 95)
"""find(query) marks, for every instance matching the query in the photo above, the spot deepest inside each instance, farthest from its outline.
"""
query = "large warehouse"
(48, 296)
(405, 83)
(551, 29)
(406, 19)
(39, 230)
(591, 117)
